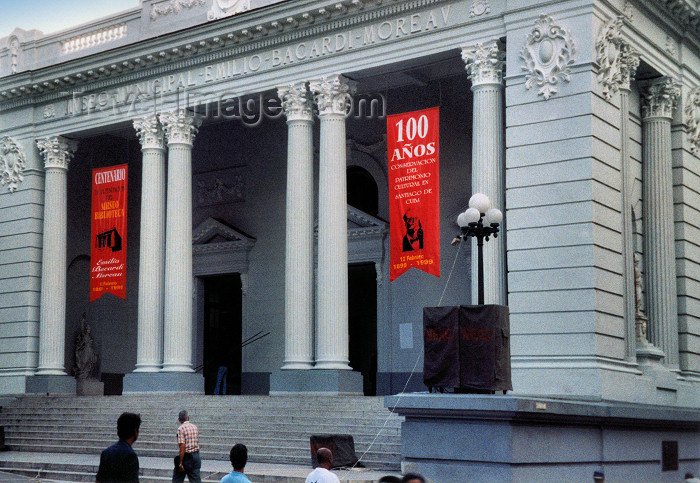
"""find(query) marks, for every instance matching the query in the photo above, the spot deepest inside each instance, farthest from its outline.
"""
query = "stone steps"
(276, 429)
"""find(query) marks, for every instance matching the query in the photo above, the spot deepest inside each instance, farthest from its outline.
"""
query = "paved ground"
(212, 469)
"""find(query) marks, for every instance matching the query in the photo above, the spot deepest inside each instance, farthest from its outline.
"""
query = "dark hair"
(413, 476)
(238, 456)
(183, 416)
(127, 425)
(389, 479)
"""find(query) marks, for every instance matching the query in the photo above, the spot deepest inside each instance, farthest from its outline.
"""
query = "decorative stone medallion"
(692, 115)
(227, 8)
(480, 7)
(12, 163)
(548, 56)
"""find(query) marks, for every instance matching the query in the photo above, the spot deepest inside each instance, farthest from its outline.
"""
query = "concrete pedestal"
(317, 381)
(476, 438)
(147, 382)
(89, 387)
(51, 385)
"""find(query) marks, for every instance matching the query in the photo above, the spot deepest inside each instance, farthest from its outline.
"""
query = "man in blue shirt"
(119, 462)
(239, 457)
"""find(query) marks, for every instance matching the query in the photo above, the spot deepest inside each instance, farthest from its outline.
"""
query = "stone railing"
(91, 39)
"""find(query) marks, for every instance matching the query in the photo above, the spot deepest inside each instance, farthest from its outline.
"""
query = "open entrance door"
(362, 298)
(222, 334)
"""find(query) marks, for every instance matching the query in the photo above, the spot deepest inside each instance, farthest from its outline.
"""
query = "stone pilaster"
(628, 62)
(298, 287)
(659, 248)
(57, 152)
(180, 129)
(333, 95)
(485, 65)
(149, 351)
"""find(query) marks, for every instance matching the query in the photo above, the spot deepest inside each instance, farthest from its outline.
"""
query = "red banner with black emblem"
(413, 141)
(108, 254)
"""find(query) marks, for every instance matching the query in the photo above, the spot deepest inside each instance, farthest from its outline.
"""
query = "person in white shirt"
(322, 474)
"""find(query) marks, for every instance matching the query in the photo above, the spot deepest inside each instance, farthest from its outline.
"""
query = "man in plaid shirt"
(190, 463)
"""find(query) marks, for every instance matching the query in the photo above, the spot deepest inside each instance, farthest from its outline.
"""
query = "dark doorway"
(222, 334)
(363, 193)
(362, 298)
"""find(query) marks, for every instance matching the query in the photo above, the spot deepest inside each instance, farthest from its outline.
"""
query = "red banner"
(414, 191)
(108, 254)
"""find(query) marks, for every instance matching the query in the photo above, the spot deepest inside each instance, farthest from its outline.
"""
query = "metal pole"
(480, 250)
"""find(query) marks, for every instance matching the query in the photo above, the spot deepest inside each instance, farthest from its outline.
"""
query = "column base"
(148, 382)
(51, 385)
(317, 381)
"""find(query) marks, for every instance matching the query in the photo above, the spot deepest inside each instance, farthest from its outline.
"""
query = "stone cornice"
(57, 151)
(204, 46)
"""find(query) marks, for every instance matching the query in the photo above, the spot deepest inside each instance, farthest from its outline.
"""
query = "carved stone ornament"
(484, 63)
(14, 46)
(548, 56)
(479, 7)
(12, 163)
(180, 126)
(661, 98)
(227, 8)
(174, 6)
(49, 111)
(57, 151)
(150, 132)
(297, 101)
(692, 116)
(617, 61)
(333, 94)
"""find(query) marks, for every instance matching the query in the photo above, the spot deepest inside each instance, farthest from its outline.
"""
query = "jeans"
(192, 475)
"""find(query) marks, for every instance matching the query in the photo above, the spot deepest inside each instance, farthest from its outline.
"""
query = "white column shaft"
(298, 352)
(52, 328)
(149, 354)
(177, 337)
(488, 177)
(659, 247)
(332, 286)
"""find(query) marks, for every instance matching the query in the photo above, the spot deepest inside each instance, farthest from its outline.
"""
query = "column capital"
(180, 126)
(661, 98)
(297, 101)
(57, 151)
(150, 132)
(485, 63)
(629, 62)
(333, 94)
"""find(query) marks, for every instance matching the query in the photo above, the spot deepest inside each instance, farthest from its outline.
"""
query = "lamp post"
(472, 224)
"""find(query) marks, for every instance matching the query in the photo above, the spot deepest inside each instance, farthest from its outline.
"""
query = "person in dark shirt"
(119, 463)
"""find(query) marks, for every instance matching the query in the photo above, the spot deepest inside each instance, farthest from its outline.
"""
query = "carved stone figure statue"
(14, 53)
(638, 287)
(85, 355)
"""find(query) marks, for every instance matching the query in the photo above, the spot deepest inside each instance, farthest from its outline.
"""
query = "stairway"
(276, 429)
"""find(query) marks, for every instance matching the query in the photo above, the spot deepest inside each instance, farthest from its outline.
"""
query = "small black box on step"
(341, 445)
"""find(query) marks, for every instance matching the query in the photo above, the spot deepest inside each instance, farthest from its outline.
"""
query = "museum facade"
(257, 233)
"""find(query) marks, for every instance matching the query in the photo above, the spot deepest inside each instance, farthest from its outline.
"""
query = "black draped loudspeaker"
(341, 445)
(467, 348)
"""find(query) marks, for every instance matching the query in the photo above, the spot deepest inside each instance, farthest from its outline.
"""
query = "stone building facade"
(247, 125)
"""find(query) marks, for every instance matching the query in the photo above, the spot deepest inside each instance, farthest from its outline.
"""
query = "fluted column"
(629, 61)
(298, 283)
(659, 249)
(149, 349)
(332, 94)
(57, 152)
(485, 66)
(180, 128)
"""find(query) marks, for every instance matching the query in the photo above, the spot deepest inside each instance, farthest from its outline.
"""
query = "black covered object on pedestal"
(467, 347)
